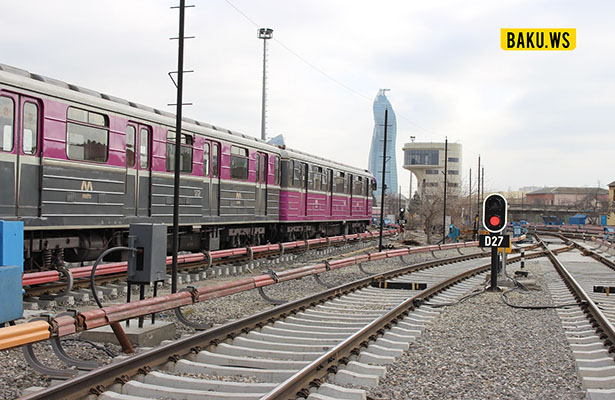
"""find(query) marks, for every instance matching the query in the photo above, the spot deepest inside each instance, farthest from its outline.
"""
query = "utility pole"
(445, 189)
(265, 34)
(384, 166)
(477, 217)
(470, 194)
(178, 130)
(478, 191)
(410, 191)
(482, 190)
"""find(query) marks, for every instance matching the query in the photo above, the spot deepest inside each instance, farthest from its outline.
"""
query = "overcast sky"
(536, 118)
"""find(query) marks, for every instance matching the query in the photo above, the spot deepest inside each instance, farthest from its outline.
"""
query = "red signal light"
(494, 220)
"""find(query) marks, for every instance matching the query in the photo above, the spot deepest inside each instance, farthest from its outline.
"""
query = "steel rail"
(95, 382)
(599, 321)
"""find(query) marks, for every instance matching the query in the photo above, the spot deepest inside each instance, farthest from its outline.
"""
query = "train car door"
(9, 104)
(367, 192)
(20, 124)
(131, 183)
(301, 174)
(206, 177)
(261, 184)
(351, 192)
(143, 172)
(214, 193)
(28, 157)
(138, 179)
(330, 192)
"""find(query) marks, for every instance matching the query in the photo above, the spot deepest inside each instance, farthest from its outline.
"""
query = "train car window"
(30, 128)
(340, 180)
(239, 163)
(77, 114)
(7, 119)
(349, 184)
(215, 160)
(131, 133)
(357, 187)
(276, 170)
(325, 180)
(264, 168)
(87, 135)
(297, 174)
(258, 167)
(185, 159)
(206, 159)
(144, 148)
(367, 186)
(316, 181)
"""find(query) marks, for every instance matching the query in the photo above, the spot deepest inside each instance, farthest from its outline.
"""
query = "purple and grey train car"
(78, 166)
(320, 197)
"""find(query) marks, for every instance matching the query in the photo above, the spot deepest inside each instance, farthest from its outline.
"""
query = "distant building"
(277, 141)
(426, 161)
(566, 195)
(375, 152)
(611, 194)
(526, 189)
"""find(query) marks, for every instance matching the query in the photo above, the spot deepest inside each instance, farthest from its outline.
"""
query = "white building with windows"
(426, 161)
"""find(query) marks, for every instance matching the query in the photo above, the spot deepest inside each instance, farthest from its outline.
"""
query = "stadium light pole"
(265, 34)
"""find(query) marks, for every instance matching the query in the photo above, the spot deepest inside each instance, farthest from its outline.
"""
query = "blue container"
(11, 243)
(603, 220)
(10, 293)
(578, 219)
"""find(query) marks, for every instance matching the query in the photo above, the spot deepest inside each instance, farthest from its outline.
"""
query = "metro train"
(78, 166)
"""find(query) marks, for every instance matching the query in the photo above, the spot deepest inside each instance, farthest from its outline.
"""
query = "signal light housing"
(495, 210)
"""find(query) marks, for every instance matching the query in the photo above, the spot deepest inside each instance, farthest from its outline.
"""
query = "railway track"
(585, 277)
(348, 331)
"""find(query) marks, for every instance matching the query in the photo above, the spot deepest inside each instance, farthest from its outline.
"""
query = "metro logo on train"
(538, 39)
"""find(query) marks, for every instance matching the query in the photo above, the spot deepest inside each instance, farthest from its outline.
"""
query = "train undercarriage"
(50, 249)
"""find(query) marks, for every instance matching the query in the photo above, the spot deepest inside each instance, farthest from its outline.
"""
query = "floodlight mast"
(265, 34)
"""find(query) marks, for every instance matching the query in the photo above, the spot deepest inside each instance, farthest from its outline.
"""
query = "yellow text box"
(538, 39)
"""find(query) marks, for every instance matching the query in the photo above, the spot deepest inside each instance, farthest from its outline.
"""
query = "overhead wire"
(322, 72)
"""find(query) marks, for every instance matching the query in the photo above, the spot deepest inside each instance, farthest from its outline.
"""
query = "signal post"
(495, 210)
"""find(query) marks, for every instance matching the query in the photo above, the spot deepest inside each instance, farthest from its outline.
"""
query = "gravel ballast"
(484, 349)
(16, 375)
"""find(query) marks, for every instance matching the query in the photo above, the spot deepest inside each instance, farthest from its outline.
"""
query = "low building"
(557, 196)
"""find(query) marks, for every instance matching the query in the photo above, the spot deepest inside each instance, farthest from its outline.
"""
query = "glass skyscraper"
(375, 152)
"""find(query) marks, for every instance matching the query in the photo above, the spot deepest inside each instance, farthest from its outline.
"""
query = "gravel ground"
(483, 349)
(16, 375)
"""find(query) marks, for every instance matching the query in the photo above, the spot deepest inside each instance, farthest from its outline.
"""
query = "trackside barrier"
(37, 278)
(64, 325)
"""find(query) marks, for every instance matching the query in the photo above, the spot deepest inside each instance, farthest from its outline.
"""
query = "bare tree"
(593, 204)
(431, 207)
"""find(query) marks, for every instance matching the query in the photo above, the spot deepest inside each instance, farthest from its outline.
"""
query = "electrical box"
(149, 263)
(10, 293)
(11, 243)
